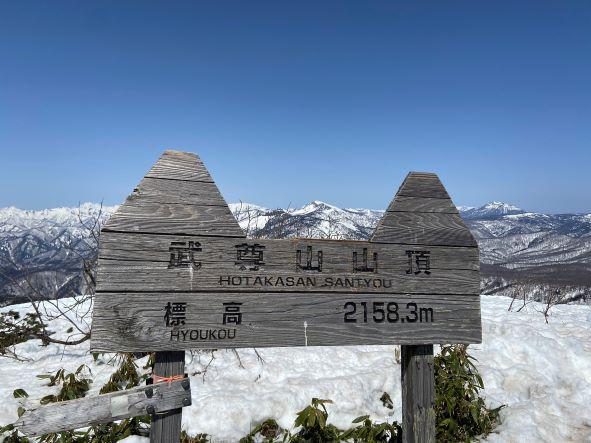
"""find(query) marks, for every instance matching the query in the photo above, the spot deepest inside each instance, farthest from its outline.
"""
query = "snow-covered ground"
(542, 372)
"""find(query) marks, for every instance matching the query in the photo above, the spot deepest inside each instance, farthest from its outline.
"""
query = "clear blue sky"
(288, 102)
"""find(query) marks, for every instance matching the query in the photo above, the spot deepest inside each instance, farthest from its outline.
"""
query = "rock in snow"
(542, 372)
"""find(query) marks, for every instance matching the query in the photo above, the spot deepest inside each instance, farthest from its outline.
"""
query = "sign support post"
(418, 393)
(166, 426)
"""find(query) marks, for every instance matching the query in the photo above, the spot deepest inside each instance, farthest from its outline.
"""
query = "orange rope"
(158, 379)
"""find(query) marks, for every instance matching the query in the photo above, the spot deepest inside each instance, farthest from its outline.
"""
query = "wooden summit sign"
(177, 272)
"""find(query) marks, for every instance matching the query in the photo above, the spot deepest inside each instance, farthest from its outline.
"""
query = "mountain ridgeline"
(41, 252)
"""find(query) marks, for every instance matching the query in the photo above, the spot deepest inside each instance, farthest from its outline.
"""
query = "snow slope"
(542, 372)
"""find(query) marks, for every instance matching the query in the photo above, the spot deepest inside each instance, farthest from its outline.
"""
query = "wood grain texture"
(141, 262)
(177, 192)
(73, 414)
(422, 184)
(132, 276)
(418, 394)
(177, 165)
(403, 203)
(161, 218)
(421, 228)
(422, 213)
(134, 322)
(166, 427)
(170, 199)
(280, 254)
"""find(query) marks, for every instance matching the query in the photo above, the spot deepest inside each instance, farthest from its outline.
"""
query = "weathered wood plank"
(160, 218)
(177, 192)
(418, 394)
(422, 228)
(422, 213)
(137, 262)
(281, 254)
(166, 427)
(134, 322)
(180, 166)
(422, 184)
(116, 276)
(170, 200)
(73, 414)
(403, 203)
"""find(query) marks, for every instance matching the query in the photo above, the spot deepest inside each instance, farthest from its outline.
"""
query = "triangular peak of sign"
(422, 213)
(422, 192)
(177, 196)
(176, 165)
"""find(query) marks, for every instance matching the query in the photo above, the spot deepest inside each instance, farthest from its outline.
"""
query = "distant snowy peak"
(244, 207)
(314, 207)
(314, 219)
(317, 206)
(490, 211)
(465, 208)
(505, 208)
(63, 215)
(48, 222)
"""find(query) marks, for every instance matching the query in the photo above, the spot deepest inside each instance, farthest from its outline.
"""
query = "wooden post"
(418, 394)
(105, 408)
(166, 427)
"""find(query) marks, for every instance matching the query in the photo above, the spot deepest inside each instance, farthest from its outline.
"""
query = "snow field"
(542, 372)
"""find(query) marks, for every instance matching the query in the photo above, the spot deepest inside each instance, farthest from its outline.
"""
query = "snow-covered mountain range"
(43, 249)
